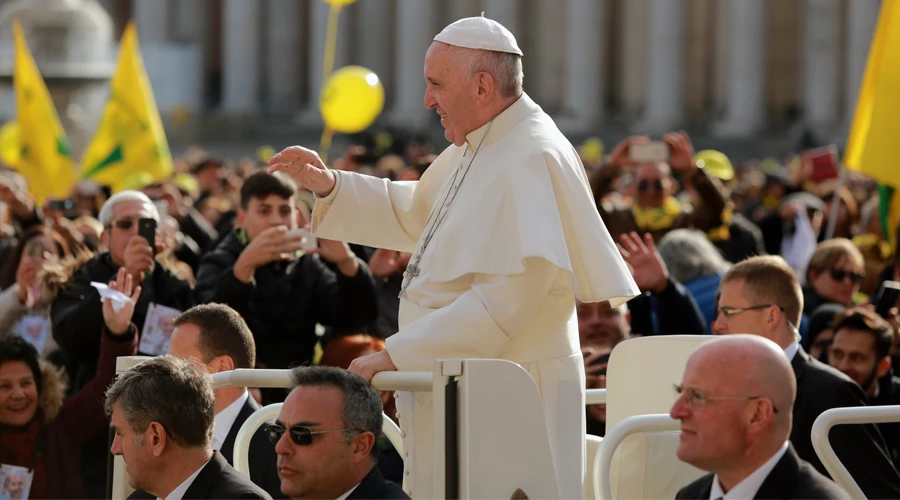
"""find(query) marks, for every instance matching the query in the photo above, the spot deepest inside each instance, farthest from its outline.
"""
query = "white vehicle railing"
(595, 397)
(615, 436)
(846, 416)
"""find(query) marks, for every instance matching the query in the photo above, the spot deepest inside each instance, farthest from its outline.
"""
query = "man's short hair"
(261, 185)
(223, 332)
(864, 320)
(106, 212)
(830, 252)
(504, 67)
(361, 408)
(769, 279)
(177, 393)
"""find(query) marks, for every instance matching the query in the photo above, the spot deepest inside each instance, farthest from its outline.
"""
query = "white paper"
(15, 482)
(35, 330)
(157, 330)
(118, 298)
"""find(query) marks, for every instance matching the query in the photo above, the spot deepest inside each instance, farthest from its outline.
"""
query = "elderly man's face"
(712, 431)
(322, 468)
(449, 91)
(124, 226)
(134, 450)
(600, 325)
(16, 486)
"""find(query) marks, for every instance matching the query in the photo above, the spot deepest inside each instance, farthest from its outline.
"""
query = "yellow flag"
(130, 139)
(874, 143)
(44, 160)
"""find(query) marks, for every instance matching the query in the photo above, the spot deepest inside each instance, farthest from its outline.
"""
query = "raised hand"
(647, 267)
(139, 258)
(117, 322)
(681, 151)
(275, 243)
(305, 167)
(386, 263)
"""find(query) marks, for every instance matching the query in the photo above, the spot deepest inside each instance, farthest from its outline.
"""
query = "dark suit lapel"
(227, 448)
(369, 487)
(780, 483)
(205, 480)
(707, 487)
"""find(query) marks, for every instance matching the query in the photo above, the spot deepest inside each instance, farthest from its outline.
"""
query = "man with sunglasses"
(654, 208)
(732, 404)
(761, 296)
(325, 437)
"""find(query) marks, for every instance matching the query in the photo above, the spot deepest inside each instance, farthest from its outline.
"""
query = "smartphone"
(824, 163)
(886, 298)
(61, 205)
(652, 152)
(147, 230)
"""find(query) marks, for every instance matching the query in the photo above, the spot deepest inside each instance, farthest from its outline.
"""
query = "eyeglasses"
(697, 399)
(124, 224)
(656, 184)
(840, 275)
(731, 311)
(300, 435)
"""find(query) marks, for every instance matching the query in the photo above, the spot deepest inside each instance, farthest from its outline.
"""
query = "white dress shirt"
(178, 493)
(751, 484)
(225, 419)
(345, 495)
(791, 351)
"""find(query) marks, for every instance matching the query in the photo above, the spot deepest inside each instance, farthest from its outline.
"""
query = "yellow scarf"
(723, 232)
(655, 219)
(869, 240)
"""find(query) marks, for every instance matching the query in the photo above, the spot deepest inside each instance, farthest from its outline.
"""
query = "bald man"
(735, 411)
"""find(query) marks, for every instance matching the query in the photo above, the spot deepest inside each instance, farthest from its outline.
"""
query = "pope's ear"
(485, 86)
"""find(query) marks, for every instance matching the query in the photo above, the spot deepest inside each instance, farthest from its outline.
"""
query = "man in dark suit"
(217, 336)
(325, 438)
(761, 296)
(162, 413)
(734, 424)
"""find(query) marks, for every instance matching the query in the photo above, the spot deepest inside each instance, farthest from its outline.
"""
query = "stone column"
(460, 9)
(318, 31)
(282, 57)
(505, 12)
(544, 61)
(632, 65)
(374, 41)
(862, 16)
(664, 104)
(822, 64)
(240, 56)
(585, 76)
(415, 30)
(745, 66)
(151, 20)
(191, 21)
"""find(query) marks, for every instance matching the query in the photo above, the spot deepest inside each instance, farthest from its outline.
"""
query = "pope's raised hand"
(305, 167)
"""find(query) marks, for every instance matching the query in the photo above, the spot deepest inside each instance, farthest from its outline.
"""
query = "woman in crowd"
(834, 275)
(43, 432)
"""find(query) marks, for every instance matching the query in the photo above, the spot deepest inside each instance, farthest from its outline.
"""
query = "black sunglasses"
(124, 224)
(657, 184)
(840, 274)
(300, 435)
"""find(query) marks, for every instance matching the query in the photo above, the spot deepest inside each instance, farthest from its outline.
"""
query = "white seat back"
(592, 445)
(640, 380)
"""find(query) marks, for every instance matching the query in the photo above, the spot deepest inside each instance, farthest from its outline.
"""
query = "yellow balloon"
(352, 98)
(339, 3)
(10, 146)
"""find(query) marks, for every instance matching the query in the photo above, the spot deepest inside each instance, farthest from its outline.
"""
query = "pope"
(504, 236)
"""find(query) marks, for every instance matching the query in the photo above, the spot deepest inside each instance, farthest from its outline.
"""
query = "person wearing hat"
(504, 237)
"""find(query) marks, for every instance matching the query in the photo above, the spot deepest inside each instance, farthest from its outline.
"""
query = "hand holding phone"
(887, 297)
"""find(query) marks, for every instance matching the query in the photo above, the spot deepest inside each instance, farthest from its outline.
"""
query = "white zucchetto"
(479, 33)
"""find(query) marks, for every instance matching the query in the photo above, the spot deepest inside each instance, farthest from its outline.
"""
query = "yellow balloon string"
(327, 69)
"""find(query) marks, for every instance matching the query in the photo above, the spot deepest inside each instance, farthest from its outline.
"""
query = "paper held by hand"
(117, 298)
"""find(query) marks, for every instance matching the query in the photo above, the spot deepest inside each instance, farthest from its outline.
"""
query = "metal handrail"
(384, 381)
(842, 416)
(615, 436)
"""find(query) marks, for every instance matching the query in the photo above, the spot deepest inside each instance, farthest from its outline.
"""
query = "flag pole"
(835, 204)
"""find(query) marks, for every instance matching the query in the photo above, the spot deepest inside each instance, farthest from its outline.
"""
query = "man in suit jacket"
(217, 336)
(162, 412)
(325, 438)
(761, 296)
(734, 424)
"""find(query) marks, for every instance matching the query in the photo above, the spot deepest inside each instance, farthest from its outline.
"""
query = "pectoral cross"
(412, 271)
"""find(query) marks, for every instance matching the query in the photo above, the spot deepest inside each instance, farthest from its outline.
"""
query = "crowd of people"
(232, 281)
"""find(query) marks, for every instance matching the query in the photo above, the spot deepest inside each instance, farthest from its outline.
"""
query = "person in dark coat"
(51, 424)
(325, 437)
(259, 271)
(761, 296)
(732, 404)
(162, 412)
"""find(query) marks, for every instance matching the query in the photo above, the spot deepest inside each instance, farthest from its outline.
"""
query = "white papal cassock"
(499, 280)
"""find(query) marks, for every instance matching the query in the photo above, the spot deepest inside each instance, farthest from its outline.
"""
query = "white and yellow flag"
(44, 158)
(130, 140)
